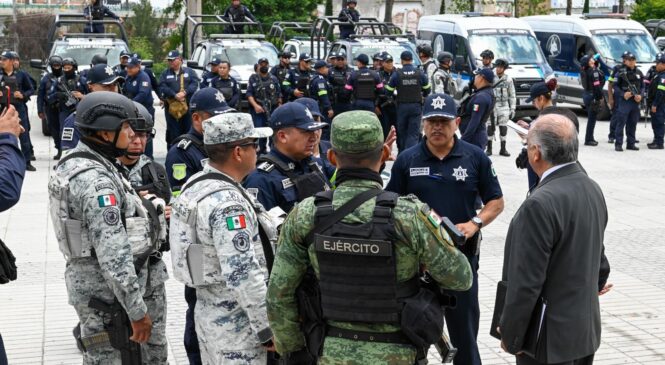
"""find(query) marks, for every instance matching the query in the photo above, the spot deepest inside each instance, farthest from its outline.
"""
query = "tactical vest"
(237, 14)
(225, 87)
(281, 73)
(72, 234)
(266, 93)
(632, 76)
(409, 89)
(11, 83)
(303, 79)
(446, 79)
(652, 76)
(502, 90)
(306, 185)
(97, 13)
(196, 264)
(358, 267)
(366, 85)
(157, 182)
(338, 81)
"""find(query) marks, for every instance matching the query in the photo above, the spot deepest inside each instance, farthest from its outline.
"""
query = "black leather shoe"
(654, 146)
(33, 158)
(591, 143)
(29, 167)
(610, 140)
(618, 148)
(637, 141)
(633, 148)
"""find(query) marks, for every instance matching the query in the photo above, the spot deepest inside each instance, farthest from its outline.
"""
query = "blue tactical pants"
(260, 120)
(591, 116)
(408, 125)
(24, 138)
(191, 340)
(53, 121)
(388, 119)
(628, 114)
(364, 104)
(658, 125)
(463, 320)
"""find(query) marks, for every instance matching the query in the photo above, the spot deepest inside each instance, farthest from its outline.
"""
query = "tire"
(45, 129)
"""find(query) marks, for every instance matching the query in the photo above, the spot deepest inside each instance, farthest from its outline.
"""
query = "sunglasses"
(254, 143)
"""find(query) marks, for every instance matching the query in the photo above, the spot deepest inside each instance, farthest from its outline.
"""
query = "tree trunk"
(569, 7)
(516, 8)
(472, 5)
(621, 4)
(585, 9)
(388, 17)
(442, 9)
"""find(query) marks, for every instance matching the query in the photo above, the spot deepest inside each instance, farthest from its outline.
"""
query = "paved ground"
(36, 321)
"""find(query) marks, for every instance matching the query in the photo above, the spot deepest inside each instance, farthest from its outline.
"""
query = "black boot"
(489, 148)
(503, 151)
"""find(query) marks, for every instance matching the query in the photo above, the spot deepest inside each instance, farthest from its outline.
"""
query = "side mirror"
(147, 63)
(37, 63)
(459, 63)
(193, 64)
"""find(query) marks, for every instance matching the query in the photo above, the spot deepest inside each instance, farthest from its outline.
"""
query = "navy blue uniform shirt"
(12, 171)
(169, 83)
(139, 89)
(320, 90)
(229, 87)
(183, 160)
(474, 130)
(449, 185)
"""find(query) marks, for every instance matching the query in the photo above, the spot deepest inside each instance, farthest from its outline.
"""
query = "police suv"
(467, 35)
(566, 38)
(356, 45)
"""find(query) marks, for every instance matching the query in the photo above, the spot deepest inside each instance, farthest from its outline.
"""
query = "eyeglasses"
(254, 143)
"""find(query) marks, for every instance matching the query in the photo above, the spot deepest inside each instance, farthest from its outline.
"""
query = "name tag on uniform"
(170, 76)
(67, 134)
(287, 183)
(419, 171)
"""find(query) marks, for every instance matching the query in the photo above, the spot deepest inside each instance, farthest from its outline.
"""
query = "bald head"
(556, 138)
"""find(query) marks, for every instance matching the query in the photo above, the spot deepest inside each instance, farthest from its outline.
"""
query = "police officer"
(94, 14)
(365, 84)
(288, 174)
(225, 83)
(349, 14)
(402, 238)
(96, 60)
(100, 78)
(186, 157)
(67, 92)
(593, 81)
(476, 110)
(263, 96)
(138, 87)
(49, 110)
(177, 84)
(235, 270)
(411, 85)
(208, 75)
(504, 107)
(88, 192)
(442, 79)
(282, 70)
(377, 62)
(20, 90)
(321, 91)
(628, 102)
(237, 13)
(658, 106)
(427, 63)
(487, 57)
(387, 106)
(337, 75)
(149, 177)
(119, 69)
(296, 84)
(448, 174)
(321, 146)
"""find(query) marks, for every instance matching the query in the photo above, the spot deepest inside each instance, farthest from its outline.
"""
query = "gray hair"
(557, 138)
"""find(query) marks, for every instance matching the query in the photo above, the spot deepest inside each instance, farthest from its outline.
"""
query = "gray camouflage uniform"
(444, 83)
(504, 93)
(111, 273)
(155, 351)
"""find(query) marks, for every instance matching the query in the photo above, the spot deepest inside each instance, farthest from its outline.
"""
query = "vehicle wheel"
(45, 130)
(604, 113)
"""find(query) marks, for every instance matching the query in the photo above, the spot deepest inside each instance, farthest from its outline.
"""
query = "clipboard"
(517, 128)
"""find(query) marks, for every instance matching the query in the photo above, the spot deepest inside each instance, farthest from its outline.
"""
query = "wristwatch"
(477, 221)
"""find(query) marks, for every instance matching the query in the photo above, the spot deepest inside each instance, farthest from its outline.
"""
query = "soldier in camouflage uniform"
(442, 80)
(230, 281)
(149, 177)
(357, 142)
(88, 192)
(504, 106)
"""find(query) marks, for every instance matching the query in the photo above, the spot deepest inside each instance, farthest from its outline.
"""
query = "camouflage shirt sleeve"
(101, 206)
(447, 265)
(234, 233)
(290, 265)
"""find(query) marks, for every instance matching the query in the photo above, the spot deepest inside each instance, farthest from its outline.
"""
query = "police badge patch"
(111, 216)
(241, 241)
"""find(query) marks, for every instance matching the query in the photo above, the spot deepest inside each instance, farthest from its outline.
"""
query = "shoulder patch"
(179, 171)
(107, 200)
(287, 183)
(476, 107)
(266, 166)
(254, 192)
(236, 222)
(111, 216)
(241, 241)
(67, 134)
(103, 185)
(184, 144)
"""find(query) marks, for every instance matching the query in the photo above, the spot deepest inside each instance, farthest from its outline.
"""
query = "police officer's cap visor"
(449, 117)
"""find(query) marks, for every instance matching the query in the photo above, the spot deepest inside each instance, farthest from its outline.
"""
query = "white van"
(467, 35)
(566, 38)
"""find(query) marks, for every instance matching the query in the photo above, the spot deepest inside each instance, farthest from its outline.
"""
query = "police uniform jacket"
(183, 160)
(258, 86)
(12, 171)
(70, 134)
(321, 91)
(659, 98)
(621, 86)
(45, 85)
(22, 83)
(481, 103)
(292, 81)
(139, 89)
(352, 82)
(206, 78)
(395, 81)
(169, 83)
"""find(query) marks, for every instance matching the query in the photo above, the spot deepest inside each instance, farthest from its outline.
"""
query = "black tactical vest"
(281, 73)
(11, 83)
(409, 89)
(358, 267)
(265, 91)
(306, 185)
(225, 87)
(652, 76)
(302, 79)
(633, 77)
(366, 84)
(338, 83)
(97, 13)
(155, 181)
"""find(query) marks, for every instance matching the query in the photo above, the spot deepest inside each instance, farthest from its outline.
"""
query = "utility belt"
(392, 337)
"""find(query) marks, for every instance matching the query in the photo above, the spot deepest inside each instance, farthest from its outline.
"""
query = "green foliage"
(158, 68)
(461, 6)
(329, 7)
(644, 10)
(144, 31)
(442, 9)
(585, 9)
(532, 7)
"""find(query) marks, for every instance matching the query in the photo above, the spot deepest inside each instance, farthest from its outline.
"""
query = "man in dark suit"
(554, 252)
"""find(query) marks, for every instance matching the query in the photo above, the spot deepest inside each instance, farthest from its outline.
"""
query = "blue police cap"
(102, 74)
(305, 57)
(439, 105)
(173, 55)
(124, 53)
(537, 89)
(294, 115)
(661, 58)
(319, 64)
(628, 55)
(216, 60)
(134, 61)
(486, 73)
(310, 104)
(7, 54)
(209, 100)
(362, 58)
(387, 57)
(406, 55)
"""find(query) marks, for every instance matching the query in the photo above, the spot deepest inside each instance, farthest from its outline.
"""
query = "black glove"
(522, 159)
(300, 357)
(7, 264)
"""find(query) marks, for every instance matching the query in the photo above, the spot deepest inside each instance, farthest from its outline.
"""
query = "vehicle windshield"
(613, 45)
(246, 56)
(394, 50)
(516, 48)
(83, 53)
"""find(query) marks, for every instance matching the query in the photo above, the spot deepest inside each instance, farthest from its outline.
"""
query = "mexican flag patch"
(434, 218)
(476, 107)
(237, 222)
(106, 200)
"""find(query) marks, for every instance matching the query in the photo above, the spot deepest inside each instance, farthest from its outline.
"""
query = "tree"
(143, 30)
(388, 17)
(621, 4)
(472, 5)
(585, 9)
(644, 10)
(569, 7)
(266, 11)
(329, 7)
(442, 9)
(516, 8)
